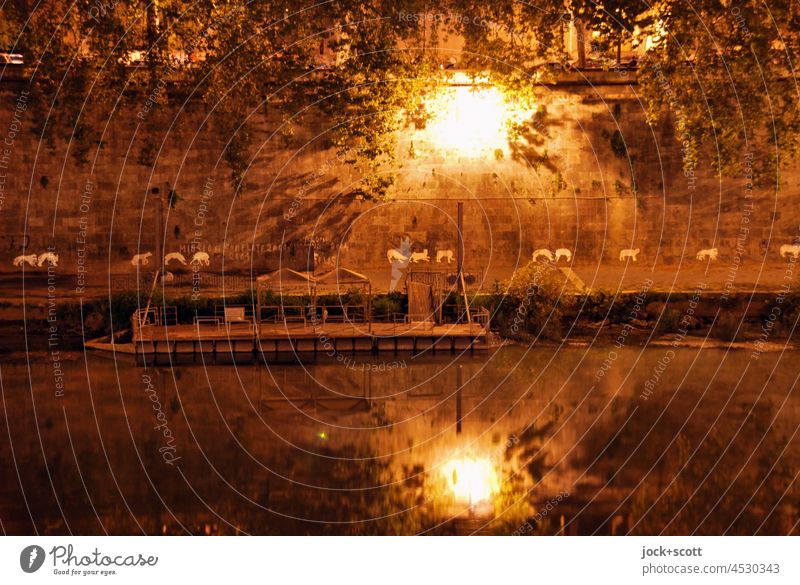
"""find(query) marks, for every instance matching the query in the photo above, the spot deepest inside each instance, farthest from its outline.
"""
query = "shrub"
(384, 305)
(530, 303)
(791, 313)
(726, 325)
(669, 321)
(597, 306)
(352, 296)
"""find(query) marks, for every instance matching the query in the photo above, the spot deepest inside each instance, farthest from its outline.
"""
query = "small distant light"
(323, 435)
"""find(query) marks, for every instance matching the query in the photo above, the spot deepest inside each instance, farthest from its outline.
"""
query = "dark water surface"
(576, 440)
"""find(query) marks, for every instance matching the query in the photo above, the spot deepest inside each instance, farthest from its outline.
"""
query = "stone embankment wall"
(592, 177)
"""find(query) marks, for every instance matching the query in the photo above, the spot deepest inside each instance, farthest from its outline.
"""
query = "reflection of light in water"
(472, 480)
(472, 121)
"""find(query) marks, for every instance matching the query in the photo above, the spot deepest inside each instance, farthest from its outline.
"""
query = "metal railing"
(390, 318)
(283, 314)
(480, 316)
(233, 313)
(159, 315)
(337, 314)
(153, 317)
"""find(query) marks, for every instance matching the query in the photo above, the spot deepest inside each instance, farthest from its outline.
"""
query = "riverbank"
(750, 339)
(760, 321)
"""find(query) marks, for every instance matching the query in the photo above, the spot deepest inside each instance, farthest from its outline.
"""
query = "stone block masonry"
(567, 187)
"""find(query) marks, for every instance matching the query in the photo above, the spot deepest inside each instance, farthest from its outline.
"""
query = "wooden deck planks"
(297, 337)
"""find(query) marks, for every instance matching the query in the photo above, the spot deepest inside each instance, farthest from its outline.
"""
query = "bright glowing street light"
(472, 480)
(472, 120)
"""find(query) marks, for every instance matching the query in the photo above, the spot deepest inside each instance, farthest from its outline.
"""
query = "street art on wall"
(399, 258)
(629, 253)
(563, 253)
(201, 258)
(141, 259)
(708, 254)
(177, 256)
(444, 255)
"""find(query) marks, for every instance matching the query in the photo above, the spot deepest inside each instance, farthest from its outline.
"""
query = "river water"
(545, 440)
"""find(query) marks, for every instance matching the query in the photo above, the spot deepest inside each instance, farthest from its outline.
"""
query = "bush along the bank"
(530, 304)
(389, 304)
(98, 317)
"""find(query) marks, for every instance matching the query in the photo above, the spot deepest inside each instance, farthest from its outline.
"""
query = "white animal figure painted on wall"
(174, 256)
(629, 253)
(48, 257)
(31, 259)
(708, 254)
(420, 256)
(395, 256)
(542, 253)
(141, 259)
(201, 258)
(444, 255)
(563, 253)
(792, 250)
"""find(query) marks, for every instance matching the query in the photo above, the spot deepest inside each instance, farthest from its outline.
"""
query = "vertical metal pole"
(369, 306)
(458, 400)
(160, 228)
(461, 285)
(460, 225)
(258, 306)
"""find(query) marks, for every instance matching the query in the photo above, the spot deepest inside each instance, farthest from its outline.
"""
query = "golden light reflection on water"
(325, 449)
(472, 480)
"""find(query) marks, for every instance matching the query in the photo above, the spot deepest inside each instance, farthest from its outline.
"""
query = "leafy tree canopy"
(723, 69)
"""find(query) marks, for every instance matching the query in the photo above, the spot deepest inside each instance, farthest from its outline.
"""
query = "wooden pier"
(288, 337)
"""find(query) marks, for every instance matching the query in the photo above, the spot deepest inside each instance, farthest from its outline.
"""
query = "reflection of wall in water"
(237, 419)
